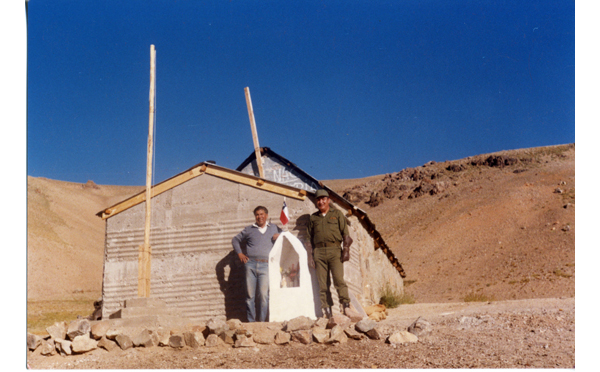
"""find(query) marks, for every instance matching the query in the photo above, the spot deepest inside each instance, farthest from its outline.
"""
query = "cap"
(320, 193)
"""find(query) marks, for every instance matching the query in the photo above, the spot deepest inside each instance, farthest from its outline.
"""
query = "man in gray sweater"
(259, 238)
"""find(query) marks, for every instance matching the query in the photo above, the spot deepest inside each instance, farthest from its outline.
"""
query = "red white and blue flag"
(285, 216)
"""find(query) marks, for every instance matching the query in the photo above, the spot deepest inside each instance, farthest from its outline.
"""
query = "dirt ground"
(538, 333)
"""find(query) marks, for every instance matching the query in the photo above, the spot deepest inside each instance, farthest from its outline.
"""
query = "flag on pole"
(284, 217)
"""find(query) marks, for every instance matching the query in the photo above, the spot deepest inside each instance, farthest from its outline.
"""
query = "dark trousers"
(328, 260)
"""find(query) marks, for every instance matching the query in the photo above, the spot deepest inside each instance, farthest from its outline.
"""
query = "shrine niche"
(291, 283)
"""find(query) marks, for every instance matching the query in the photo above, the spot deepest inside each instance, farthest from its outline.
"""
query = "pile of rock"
(82, 335)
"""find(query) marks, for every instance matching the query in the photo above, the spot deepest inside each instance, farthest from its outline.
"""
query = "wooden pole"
(145, 250)
(261, 172)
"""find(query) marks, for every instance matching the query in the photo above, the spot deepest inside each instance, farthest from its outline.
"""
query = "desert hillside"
(496, 226)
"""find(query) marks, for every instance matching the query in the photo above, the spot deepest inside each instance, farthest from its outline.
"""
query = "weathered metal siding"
(278, 172)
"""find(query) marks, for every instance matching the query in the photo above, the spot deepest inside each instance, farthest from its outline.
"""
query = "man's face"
(261, 217)
(323, 204)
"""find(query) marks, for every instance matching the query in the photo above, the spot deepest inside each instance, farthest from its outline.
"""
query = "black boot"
(327, 312)
(343, 307)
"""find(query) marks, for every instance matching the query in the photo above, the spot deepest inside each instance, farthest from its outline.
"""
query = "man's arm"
(236, 242)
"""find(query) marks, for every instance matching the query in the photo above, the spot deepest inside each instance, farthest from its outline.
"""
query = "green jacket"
(328, 230)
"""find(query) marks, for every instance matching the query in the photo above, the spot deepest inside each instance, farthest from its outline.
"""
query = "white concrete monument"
(291, 292)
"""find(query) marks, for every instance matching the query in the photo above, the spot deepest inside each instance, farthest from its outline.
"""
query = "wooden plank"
(252, 181)
(261, 171)
(156, 190)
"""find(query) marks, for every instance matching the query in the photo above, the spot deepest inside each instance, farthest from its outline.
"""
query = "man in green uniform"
(328, 232)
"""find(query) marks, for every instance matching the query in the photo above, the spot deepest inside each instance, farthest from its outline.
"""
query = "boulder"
(374, 334)
(124, 341)
(145, 338)
(33, 341)
(243, 341)
(63, 346)
(339, 320)
(321, 323)
(299, 323)
(401, 337)
(177, 341)
(234, 324)
(337, 335)
(112, 333)
(107, 344)
(47, 347)
(216, 326)
(320, 335)
(365, 325)
(420, 327)
(82, 344)
(78, 327)
(213, 340)
(303, 336)
(374, 309)
(353, 334)
(354, 315)
(264, 336)
(194, 339)
(58, 331)
(282, 338)
(228, 336)
(98, 330)
(163, 336)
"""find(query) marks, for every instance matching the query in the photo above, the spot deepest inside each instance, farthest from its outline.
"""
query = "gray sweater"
(258, 245)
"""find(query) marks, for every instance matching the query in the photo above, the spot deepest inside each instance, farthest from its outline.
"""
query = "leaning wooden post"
(145, 250)
(254, 134)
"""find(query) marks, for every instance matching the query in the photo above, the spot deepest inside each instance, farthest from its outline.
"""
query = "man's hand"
(275, 237)
(243, 257)
(345, 254)
(311, 261)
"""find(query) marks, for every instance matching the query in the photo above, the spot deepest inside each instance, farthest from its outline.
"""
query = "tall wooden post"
(145, 251)
(261, 172)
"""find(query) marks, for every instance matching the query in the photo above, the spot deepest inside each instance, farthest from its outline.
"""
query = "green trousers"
(327, 260)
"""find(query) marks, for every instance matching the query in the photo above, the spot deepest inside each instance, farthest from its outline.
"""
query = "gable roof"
(199, 170)
(349, 207)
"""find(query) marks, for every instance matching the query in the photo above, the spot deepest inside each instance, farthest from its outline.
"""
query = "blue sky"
(344, 89)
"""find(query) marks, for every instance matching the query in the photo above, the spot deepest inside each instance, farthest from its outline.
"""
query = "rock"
(63, 346)
(33, 341)
(264, 336)
(365, 325)
(420, 327)
(82, 344)
(227, 336)
(455, 168)
(58, 331)
(234, 324)
(354, 315)
(145, 338)
(124, 341)
(243, 341)
(558, 190)
(99, 329)
(177, 341)
(303, 336)
(213, 340)
(107, 344)
(199, 328)
(374, 334)
(375, 199)
(469, 321)
(163, 336)
(321, 323)
(282, 338)
(339, 320)
(377, 316)
(391, 190)
(299, 323)
(353, 334)
(194, 339)
(320, 335)
(337, 335)
(78, 327)
(112, 333)
(47, 347)
(217, 326)
(401, 337)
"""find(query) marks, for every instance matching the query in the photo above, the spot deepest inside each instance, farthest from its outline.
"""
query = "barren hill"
(497, 226)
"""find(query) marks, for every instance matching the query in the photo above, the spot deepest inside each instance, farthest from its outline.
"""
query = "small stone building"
(196, 213)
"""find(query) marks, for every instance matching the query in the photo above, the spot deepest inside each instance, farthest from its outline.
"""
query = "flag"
(284, 217)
